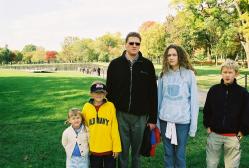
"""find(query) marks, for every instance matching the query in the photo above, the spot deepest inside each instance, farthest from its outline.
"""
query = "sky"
(47, 22)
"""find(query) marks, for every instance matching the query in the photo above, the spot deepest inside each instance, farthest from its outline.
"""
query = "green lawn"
(33, 107)
(208, 76)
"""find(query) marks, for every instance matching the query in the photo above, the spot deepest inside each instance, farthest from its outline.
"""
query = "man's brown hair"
(133, 34)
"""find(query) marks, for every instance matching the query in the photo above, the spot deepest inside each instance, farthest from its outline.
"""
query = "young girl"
(75, 140)
(177, 105)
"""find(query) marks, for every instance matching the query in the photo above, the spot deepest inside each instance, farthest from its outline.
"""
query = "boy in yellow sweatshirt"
(100, 117)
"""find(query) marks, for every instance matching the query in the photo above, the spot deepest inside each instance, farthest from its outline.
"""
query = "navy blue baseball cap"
(98, 87)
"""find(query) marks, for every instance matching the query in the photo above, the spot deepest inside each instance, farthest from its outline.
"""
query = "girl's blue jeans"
(175, 154)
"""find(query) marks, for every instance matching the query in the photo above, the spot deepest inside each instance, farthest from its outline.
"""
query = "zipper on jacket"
(129, 108)
(226, 103)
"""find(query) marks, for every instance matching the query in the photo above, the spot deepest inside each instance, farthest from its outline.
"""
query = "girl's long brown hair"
(183, 59)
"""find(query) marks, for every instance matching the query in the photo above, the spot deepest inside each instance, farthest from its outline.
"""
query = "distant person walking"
(98, 71)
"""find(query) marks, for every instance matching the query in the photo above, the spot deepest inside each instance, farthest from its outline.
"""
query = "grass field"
(207, 76)
(33, 108)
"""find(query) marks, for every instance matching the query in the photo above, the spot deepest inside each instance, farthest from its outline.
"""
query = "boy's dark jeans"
(102, 161)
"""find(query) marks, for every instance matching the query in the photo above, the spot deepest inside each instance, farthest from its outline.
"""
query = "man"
(131, 86)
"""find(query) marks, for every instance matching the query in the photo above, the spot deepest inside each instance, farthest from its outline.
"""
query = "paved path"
(202, 97)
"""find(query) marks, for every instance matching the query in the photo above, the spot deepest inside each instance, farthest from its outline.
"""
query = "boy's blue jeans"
(175, 154)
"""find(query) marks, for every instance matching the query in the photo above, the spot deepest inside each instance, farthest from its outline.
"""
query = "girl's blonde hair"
(74, 112)
(183, 59)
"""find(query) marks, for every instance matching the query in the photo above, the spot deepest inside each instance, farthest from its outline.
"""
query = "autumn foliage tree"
(220, 27)
(50, 56)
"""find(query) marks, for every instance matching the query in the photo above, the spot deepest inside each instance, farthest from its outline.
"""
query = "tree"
(50, 56)
(109, 46)
(179, 30)
(7, 56)
(4, 55)
(29, 48)
(242, 8)
(222, 17)
(28, 52)
(84, 50)
(19, 56)
(89, 51)
(67, 49)
(38, 56)
(153, 39)
(200, 31)
(12, 57)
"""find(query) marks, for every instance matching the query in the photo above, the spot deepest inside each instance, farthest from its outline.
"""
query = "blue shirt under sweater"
(76, 151)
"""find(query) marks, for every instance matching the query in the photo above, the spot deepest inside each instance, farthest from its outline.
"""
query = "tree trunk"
(216, 60)
(208, 51)
(245, 44)
(158, 60)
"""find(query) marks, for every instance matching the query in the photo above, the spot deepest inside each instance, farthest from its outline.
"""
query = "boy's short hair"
(230, 64)
(133, 34)
(98, 86)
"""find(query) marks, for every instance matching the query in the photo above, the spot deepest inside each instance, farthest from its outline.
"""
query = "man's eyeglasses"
(132, 43)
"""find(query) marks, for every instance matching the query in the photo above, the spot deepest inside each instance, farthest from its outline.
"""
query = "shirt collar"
(134, 60)
(174, 71)
(229, 85)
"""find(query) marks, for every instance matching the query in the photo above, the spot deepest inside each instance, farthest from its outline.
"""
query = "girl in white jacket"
(75, 141)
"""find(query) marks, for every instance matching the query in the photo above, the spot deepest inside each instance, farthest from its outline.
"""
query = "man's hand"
(240, 135)
(152, 126)
(209, 130)
(115, 154)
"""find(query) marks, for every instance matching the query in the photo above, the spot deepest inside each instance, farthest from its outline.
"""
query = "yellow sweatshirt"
(103, 128)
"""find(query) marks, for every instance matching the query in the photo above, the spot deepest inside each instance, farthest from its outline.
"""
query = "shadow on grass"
(36, 145)
(25, 99)
(27, 105)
